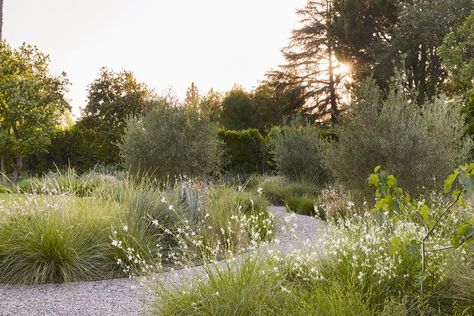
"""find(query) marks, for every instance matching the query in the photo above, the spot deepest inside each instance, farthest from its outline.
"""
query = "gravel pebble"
(128, 296)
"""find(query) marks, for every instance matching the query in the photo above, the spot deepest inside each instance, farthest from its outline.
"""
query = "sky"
(166, 43)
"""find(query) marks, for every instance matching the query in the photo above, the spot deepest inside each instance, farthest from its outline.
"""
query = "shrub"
(301, 205)
(419, 145)
(240, 111)
(297, 154)
(245, 151)
(277, 190)
(78, 147)
(171, 141)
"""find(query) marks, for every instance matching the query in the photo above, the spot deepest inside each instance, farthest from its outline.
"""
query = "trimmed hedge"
(245, 151)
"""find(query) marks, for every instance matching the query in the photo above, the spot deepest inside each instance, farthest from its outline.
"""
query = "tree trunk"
(1, 19)
(17, 170)
(332, 87)
(332, 82)
(3, 166)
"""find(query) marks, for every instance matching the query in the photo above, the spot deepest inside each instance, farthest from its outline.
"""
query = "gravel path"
(128, 296)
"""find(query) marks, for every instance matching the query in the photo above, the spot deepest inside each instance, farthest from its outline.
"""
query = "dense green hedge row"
(245, 152)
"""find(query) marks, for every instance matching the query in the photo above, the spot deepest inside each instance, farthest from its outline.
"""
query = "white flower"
(163, 200)
(259, 191)
(171, 207)
(350, 204)
(125, 228)
(155, 222)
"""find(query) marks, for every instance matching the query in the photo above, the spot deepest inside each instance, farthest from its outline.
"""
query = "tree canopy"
(32, 103)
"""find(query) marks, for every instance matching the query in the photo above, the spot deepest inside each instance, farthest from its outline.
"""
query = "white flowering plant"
(435, 230)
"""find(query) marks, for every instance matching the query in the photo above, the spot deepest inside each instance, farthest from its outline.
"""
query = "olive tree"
(169, 141)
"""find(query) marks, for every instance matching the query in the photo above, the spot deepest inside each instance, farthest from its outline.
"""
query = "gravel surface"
(128, 296)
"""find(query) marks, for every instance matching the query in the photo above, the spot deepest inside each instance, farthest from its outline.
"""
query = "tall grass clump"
(419, 145)
(66, 182)
(211, 223)
(229, 290)
(277, 189)
(56, 238)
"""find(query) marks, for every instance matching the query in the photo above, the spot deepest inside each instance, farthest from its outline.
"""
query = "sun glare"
(343, 69)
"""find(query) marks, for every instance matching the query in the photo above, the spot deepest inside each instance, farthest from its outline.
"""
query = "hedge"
(245, 151)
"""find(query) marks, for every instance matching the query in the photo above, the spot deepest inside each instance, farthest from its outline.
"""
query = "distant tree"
(113, 98)
(274, 104)
(415, 40)
(359, 28)
(239, 111)
(457, 54)
(31, 105)
(211, 105)
(193, 99)
(311, 61)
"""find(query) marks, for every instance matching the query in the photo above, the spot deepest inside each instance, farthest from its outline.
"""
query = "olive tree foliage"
(296, 151)
(170, 141)
(31, 105)
(419, 145)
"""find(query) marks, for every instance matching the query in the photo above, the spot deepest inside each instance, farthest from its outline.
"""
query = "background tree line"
(427, 44)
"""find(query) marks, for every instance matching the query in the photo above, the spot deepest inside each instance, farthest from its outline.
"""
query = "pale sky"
(215, 43)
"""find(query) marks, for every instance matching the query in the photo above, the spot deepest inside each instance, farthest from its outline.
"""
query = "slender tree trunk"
(3, 165)
(1, 19)
(332, 87)
(332, 81)
(19, 158)
(17, 170)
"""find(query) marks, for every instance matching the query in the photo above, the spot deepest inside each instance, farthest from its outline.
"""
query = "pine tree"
(312, 65)
(193, 99)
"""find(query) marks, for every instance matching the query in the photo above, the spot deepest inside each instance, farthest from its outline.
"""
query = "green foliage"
(229, 291)
(419, 145)
(395, 201)
(211, 105)
(297, 153)
(31, 104)
(278, 190)
(301, 205)
(369, 266)
(420, 30)
(239, 111)
(171, 141)
(114, 98)
(458, 57)
(60, 239)
(358, 27)
(67, 182)
(76, 147)
(245, 152)
(227, 205)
